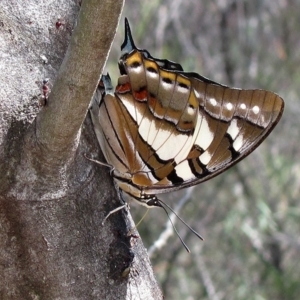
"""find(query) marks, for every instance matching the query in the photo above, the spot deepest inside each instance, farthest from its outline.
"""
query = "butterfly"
(163, 129)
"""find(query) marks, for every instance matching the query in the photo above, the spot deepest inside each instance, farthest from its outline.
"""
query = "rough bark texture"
(53, 200)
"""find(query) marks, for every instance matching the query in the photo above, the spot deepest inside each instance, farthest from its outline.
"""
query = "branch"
(58, 124)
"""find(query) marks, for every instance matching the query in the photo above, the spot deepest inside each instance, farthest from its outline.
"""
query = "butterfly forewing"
(165, 129)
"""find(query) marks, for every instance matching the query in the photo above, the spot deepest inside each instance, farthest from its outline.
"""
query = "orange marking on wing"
(141, 95)
(123, 88)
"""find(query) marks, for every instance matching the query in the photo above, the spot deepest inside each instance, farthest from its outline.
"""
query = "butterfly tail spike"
(128, 44)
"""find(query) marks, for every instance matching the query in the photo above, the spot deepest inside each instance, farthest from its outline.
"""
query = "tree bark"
(52, 199)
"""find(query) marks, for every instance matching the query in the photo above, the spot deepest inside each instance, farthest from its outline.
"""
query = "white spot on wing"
(136, 69)
(184, 150)
(152, 74)
(182, 89)
(183, 170)
(205, 157)
(213, 101)
(243, 106)
(167, 85)
(170, 149)
(256, 109)
(233, 129)
(205, 136)
(160, 138)
(238, 143)
(168, 145)
(229, 106)
(196, 93)
(190, 111)
(189, 143)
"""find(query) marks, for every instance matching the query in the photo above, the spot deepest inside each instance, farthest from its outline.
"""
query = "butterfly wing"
(110, 127)
(186, 128)
(164, 129)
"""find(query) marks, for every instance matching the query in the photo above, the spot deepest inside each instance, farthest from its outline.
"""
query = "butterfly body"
(164, 129)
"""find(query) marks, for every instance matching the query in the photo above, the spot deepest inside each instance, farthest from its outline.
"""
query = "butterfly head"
(148, 201)
(153, 201)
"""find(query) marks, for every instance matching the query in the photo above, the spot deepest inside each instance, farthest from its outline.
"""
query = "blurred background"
(249, 216)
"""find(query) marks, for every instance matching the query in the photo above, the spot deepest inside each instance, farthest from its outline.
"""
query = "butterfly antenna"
(181, 240)
(188, 226)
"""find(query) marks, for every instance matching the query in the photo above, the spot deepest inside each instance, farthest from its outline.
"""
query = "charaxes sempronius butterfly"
(163, 129)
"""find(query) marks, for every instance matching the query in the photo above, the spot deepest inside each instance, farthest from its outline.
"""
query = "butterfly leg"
(116, 186)
(102, 164)
(125, 204)
(114, 211)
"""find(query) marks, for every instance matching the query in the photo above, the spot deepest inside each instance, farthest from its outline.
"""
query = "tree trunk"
(52, 199)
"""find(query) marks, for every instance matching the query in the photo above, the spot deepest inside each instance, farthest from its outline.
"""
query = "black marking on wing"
(135, 64)
(202, 166)
(174, 178)
(183, 85)
(152, 70)
(167, 80)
